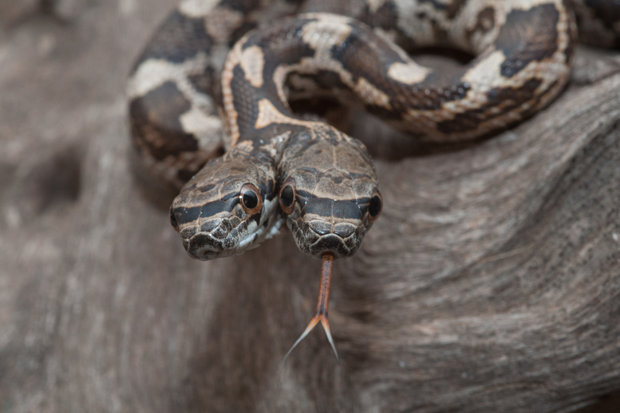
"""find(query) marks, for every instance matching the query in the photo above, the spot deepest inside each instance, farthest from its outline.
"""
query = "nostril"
(173, 220)
(210, 225)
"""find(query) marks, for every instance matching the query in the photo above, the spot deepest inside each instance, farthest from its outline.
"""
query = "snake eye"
(250, 198)
(287, 198)
(374, 206)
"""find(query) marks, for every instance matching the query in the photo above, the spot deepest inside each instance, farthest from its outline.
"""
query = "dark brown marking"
(179, 38)
(205, 82)
(608, 12)
(485, 21)
(451, 8)
(358, 53)
(528, 35)
(245, 99)
(241, 6)
(322, 79)
(286, 35)
(386, 17)
(155, 122)
(317, 106)
(572, 33)
(244, 28)
(454, 8)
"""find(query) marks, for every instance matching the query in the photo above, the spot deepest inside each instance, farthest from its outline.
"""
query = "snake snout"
(203, 246)
(340, 239)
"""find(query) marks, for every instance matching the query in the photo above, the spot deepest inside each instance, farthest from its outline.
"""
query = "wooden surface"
(490, 283)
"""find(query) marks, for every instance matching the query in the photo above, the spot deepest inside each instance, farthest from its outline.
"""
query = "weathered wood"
(490, 283)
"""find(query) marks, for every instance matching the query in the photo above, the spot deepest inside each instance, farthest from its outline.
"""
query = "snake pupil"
(286, 196)
(250, 200)
(375, 206)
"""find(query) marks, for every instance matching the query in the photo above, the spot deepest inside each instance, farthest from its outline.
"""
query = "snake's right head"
(227, 208)
(328, 192)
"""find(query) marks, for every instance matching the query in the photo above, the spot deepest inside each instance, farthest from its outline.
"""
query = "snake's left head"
(328, 192)
(229, 207)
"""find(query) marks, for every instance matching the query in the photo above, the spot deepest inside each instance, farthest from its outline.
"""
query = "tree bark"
(491, 282)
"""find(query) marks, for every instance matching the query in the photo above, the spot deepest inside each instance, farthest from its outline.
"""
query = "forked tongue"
(321, 306)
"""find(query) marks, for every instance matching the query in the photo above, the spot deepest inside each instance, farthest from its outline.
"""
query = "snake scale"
(210, 113)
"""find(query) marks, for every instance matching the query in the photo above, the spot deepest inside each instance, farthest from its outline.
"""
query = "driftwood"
(490, 283)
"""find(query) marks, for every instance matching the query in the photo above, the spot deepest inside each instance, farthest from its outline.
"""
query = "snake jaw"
(321, 307)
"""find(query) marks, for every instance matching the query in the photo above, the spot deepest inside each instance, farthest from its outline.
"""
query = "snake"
(210, 105)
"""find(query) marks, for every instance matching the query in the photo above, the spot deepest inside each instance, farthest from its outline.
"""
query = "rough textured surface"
(490, 283)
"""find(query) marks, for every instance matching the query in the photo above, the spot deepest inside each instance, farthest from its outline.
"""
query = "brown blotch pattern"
(526, 36)
(155, 122)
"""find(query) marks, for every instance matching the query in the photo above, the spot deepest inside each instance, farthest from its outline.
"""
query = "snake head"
(328, 192)
(229, 207)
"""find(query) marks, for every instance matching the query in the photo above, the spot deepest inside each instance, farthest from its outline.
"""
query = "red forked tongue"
(321, 306)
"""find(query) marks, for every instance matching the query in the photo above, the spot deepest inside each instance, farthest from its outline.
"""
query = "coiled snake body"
(282, 166)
